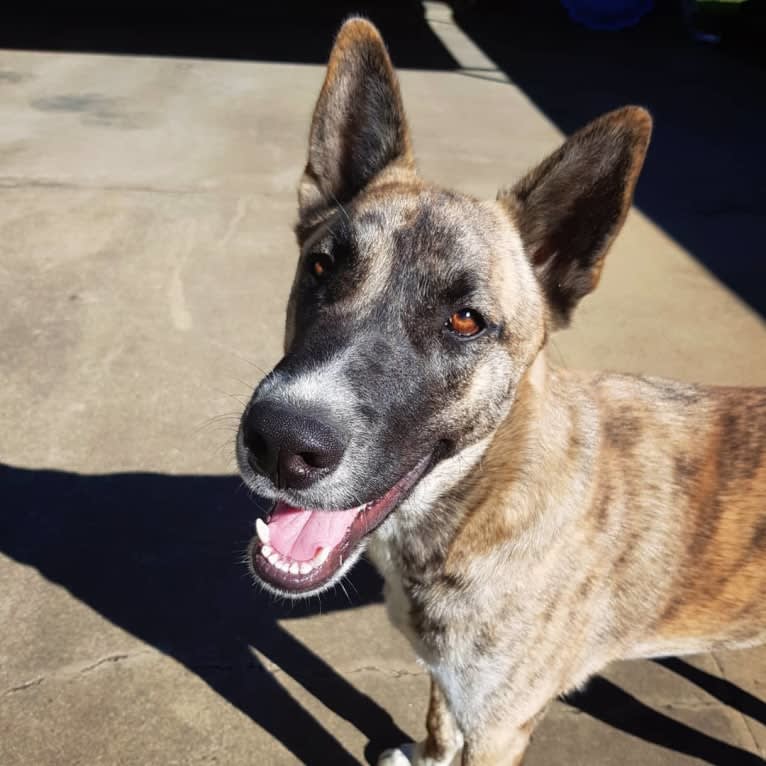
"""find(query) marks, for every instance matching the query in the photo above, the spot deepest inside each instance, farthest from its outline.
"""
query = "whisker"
(350, 583)
(343, 588)
(218, 420)
(560, 357)
(235, 397)
(342, 209)
(248, 386)
(237, 355)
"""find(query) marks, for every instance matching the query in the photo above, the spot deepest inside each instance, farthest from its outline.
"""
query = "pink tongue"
(298, 534)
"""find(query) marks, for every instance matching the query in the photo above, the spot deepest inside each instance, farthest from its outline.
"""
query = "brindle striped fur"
(574, 519)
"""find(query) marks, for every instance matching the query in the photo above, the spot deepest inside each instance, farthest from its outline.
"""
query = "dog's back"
(691, 461)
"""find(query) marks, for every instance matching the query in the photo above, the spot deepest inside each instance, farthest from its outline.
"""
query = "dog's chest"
(435, 621)
(444, 634)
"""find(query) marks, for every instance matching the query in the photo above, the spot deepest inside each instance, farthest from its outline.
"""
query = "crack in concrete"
(70, 674)
(742, 716)
(104, 661)
(390, 672)
(25, 685)
(12, 182)
(689, 706)
(566, 709)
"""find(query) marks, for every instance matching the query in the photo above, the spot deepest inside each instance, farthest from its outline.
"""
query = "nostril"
(301, 469)
(260, 455)
(252, 460)
(317, 459)
(257, 446)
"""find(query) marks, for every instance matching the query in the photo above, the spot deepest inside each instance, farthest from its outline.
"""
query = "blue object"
(607, 14)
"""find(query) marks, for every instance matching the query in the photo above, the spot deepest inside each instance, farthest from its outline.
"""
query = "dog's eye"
(319, 264)
(466, 323)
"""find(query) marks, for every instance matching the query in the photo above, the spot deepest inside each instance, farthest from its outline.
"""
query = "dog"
(531, 524)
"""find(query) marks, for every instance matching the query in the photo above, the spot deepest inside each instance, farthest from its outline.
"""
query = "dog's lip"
(368, 517)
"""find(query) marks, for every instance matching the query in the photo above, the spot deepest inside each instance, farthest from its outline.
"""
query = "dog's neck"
(500, 490)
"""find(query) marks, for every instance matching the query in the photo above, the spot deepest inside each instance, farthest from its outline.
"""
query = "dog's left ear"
(570, 208)
(359, 126)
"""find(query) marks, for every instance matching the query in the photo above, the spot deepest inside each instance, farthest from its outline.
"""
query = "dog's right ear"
(359, 126)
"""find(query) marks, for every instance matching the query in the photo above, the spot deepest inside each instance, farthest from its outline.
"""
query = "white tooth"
(305, 567)
(266, 551)
(262, 530)
(321, 557)
(295, 567)
(273, 558)
(283, 565)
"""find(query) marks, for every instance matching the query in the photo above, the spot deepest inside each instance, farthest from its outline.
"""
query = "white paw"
(398, 756)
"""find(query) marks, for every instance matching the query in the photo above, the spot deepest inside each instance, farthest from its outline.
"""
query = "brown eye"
(320, 265)
(466, 323)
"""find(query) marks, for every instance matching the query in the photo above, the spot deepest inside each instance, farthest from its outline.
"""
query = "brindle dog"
(532, 524)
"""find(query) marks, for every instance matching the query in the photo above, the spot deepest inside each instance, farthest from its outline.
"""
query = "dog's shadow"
(160, 556)
(612, 705)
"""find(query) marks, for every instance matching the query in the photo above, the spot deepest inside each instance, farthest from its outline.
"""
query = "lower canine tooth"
(267, 551)
(273, 558)
(321, 557)
(262, 530)
(305, 567)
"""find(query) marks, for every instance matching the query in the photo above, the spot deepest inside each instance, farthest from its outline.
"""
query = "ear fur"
(359, 127)
(570, 208)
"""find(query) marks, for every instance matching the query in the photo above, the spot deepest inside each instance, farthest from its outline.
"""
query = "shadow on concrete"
(704, 180)
(724, 691)
(703, 183)
(614, 706)
(287, 31)
(160, 556)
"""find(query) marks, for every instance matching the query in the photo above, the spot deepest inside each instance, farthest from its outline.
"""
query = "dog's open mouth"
(299, 550)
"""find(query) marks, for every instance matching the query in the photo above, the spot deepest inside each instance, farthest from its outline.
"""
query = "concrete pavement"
(145, 257)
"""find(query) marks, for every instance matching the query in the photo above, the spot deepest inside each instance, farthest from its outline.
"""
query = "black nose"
(293, 448)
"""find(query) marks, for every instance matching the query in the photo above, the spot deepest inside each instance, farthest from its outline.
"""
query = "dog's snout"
(293, 448)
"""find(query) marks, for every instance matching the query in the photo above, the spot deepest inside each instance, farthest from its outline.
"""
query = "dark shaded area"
(290, 30)
(160, 556)
(704, 180)
(724, 691)
(616, 707)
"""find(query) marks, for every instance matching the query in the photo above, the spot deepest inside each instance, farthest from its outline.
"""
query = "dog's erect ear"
(570, 208)
(359, 126)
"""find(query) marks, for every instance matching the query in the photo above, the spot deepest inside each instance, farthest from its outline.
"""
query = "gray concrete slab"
(145, 258)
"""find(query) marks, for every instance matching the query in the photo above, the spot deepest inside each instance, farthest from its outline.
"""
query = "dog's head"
(414, 314)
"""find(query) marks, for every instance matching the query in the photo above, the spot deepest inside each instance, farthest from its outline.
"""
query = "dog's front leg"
(494, 742)
(499, 743)
(442, 744)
